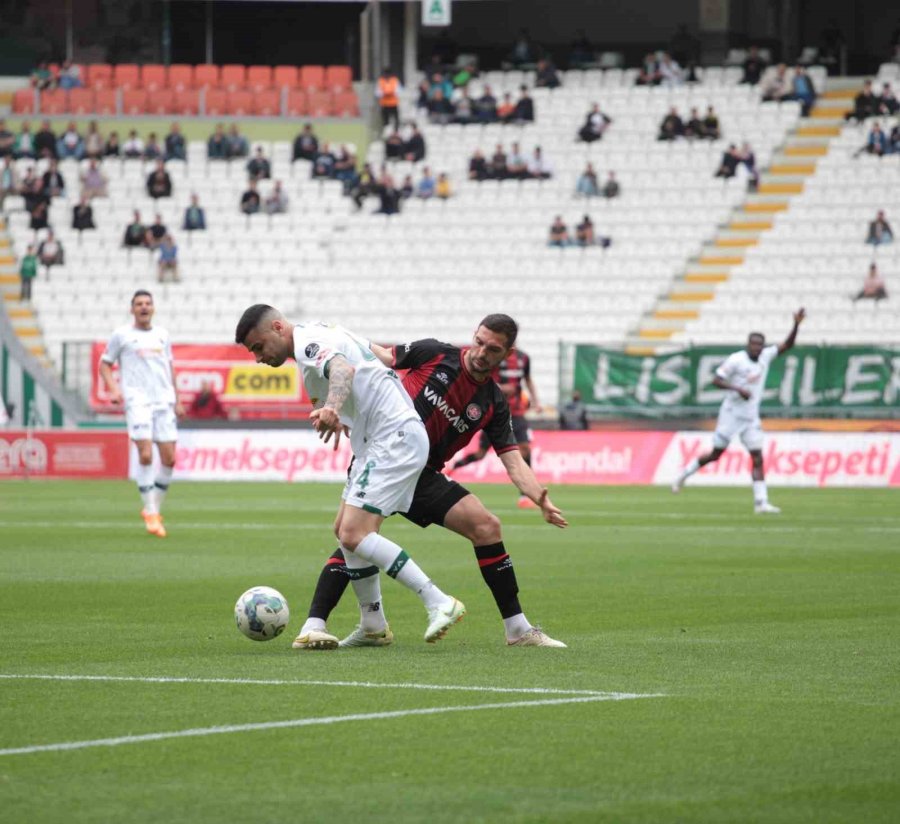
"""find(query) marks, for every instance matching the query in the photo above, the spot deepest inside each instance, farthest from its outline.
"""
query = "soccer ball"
(261, 613)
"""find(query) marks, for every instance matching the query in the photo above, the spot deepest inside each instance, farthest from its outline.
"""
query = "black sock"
(330, 587)
(498, 573)
(465, 461)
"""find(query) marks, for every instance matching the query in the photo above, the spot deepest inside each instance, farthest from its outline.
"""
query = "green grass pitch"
(770, 647)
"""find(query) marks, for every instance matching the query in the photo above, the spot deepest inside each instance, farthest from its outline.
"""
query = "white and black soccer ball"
(262, 613)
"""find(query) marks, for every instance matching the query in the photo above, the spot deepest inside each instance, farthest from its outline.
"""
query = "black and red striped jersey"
(514, 370)
(453, 405)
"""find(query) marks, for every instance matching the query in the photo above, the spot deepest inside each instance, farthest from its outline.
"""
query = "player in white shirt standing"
(743, 375)
(144, 354)
(352, 390)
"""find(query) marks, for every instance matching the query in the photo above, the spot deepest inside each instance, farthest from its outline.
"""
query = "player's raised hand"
(799, 315)
(327, 423)
(551, 513)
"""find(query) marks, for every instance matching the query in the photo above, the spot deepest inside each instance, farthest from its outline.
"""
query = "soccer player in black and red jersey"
(456, 398)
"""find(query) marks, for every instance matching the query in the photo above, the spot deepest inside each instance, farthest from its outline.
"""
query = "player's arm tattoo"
(340, 383)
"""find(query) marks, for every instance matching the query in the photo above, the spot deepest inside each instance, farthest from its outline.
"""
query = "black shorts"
(435, 496)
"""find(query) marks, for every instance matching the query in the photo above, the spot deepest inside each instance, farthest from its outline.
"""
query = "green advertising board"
(855, 381)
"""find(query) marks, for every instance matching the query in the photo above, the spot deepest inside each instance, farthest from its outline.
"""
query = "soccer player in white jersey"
(743, 375)
(352, 390)
(144, 354)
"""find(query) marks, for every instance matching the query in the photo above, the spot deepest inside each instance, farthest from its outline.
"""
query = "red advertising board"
(58, 454)
(250, 388)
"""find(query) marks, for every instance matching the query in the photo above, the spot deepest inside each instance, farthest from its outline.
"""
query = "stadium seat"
(161, 101)
(134, 101)
(259, 78)
(338, 78)
(105, 101)
(215, 102)
(55, 101)
(206, 75)
(153, 77)
(81, 101)
(345, 104)
(127, 76)
(267, 103)
(285, 76)
(233, 77)
(180, 76)
(240, 102)
(187, 101)
(296, 103)
(23, 101)
(99, 75)
(312, 78)
(319, 104)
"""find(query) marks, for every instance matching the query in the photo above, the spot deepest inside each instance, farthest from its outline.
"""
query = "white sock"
(146, 488)
(760, 494)
(689, 470)
(386, 555)
(516, 626)
(311, 624)
(161, 485)
(368, 591)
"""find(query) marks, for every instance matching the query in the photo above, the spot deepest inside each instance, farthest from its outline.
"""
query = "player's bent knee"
(486, 530)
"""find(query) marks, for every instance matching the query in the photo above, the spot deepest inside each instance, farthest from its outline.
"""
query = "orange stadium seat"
(153, 76)
(105, 101)
(259, 78)
(23, 101)
(127, 76)
(319, 104)
(181, 76)
(338, 78)
(187, 101)
(296, 103)
(206, 75)
(312, 78)
(284, 76)
(99, 75)
(54, 102)
(134, 101)
(162, 101)
(216, 101)
(267, 103)
(240, 102)
(233, 77)
(81, 101)
(345, 104)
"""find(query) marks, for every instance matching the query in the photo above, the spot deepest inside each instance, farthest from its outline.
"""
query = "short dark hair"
(759, 335)
(141, 293)
(251, 319)
(502, 325)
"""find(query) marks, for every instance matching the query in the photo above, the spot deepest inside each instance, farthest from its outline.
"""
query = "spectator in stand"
(152, 149)
(45, 141)
(888, 105)
(277, 201)
(167, 268)
(894, 140)
(694, 128)
(159, 184)
(344, 166)
(588, 185)
(584, 232)
(478, 169)
(524, 52)
(50, 251)
(53, 184)
(595, 124)
(581, 52)
(748, 160)
(516, 163)
(135, 232)
(389, 194)
(754, 66)
(258, 167)
(206, 404)
(194, 216)
(498, 168)
(7, 140)
(711, 129)
(877, 142)
(134, 146)
(176, 148)
(408, 189)
(306, 144)
(70, 144)
(156, 231)
(539, 167)
(464, 109)
(672, 126)
(414, 148)
(237, 143)
(865, 104)
(485, 107)
(69, 76)
(559, 233)
(524, 111)
(363, 186)
(547, 77)
(218, 147)
(31, 188)
(803, 90)
(38, 212)
(670, 73)
(112, 147)
(440, 83)
(649, 74)
(324, 165)
(83, 215)
(573, 414)
(440, 109)
(250, 199)
(611, 188)
(730, 159)
(387, 92)
(9, 180)
(93, 141)
(507, 109)
(426, 187)
(880, 231)
(873, 286)
(24, 145)
(777, 87)
(27, 273)
(41, 77)
(443, 190)
(393, 145)
(93, 181)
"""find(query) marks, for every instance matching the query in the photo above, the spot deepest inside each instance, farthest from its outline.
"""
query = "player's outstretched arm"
(112, 385)
(521, 475)
(383, 353)
(788, 342)
(327, 419)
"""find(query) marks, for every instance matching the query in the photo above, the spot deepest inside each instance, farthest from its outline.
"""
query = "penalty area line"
(201, 732)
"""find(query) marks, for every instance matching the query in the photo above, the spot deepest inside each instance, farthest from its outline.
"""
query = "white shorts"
(148, 423)
(383, 477)
(728, 426)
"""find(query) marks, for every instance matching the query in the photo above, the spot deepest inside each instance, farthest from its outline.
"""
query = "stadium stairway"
(695, 290)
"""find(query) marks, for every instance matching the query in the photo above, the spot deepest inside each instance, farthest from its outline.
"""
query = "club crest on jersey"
(473, 412)
(311, 349)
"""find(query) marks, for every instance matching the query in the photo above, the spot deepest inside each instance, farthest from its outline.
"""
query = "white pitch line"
(180, 525)
(299, 722)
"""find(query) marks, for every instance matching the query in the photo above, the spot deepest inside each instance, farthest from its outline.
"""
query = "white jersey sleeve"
(316, 345)
(726, 370)
(768, 354)
(113, 347)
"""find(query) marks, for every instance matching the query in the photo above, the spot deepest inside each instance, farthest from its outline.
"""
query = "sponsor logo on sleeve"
(311, 350)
